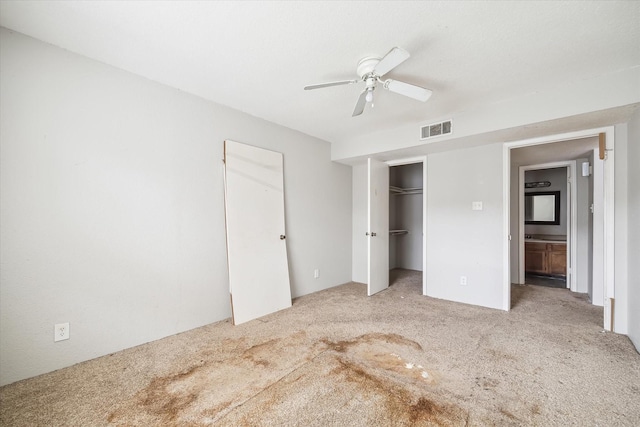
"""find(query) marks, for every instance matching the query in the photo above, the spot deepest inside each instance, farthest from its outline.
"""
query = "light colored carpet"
(338, 357)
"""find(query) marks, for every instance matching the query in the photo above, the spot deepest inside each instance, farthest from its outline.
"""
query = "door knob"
(282, 237)
(373, 234)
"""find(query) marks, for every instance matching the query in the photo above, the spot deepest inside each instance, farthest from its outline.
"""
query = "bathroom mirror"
(542, 207)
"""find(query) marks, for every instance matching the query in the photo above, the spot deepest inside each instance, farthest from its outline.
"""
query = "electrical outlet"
(316, 273)
(60, 331)
(463, 280)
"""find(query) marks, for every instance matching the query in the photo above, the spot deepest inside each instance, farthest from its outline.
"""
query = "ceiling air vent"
(435, 129)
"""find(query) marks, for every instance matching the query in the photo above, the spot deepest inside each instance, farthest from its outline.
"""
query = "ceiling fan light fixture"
(369, 96)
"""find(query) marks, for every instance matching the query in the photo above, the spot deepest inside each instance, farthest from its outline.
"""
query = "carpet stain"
(166, 397)
(270, 352)
(381, 351)
(208, 389)
(498, 354)
(378, 364)
(365, 372)
(487, 383)
(161, 400)
(508, 414)
(211, 414)
(398, 403)
(369, 362)
(342, 346)
(258, 354)
(428, 410)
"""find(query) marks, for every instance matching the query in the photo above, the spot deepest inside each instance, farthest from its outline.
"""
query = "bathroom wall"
(558, 179)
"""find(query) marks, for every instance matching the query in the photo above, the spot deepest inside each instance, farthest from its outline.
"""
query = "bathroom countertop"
(545, 238)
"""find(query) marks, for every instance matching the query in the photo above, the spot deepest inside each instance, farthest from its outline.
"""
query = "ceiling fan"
(371, 70)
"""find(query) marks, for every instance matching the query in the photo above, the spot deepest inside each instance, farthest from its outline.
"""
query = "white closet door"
(378, 227)
(256, 246)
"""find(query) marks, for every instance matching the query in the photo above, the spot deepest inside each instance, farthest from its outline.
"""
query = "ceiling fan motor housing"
(366, 66)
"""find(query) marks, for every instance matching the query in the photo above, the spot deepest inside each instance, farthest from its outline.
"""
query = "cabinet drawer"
(534, 246)
(557, 247)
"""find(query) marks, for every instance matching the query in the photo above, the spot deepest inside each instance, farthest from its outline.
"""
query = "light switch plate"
(476, 206)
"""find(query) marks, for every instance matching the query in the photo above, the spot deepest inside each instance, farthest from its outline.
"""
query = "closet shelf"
(398, 232)
(398, 191)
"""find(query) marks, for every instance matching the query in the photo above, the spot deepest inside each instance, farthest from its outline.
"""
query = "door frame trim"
(423, 160)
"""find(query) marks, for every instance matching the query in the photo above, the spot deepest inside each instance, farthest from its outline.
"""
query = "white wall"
(112, 208)
(463, 242)
(633, 236)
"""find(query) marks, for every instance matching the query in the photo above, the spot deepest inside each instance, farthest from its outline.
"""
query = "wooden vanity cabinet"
(557, 259)
(535, 258)
(546, 258)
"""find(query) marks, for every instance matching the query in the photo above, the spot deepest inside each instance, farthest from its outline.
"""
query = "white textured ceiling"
(257, 56)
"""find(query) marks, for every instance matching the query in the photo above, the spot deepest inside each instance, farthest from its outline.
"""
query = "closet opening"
(406, 222)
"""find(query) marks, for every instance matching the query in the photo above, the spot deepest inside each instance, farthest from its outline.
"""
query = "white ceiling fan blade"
(338, 83)
(362, 102)
(406, 89)
(391, 60)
